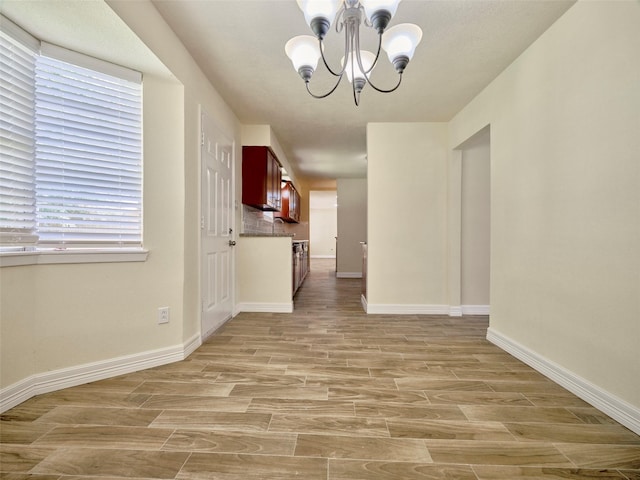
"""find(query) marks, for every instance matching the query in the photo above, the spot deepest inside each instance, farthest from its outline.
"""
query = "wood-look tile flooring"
(324, 393)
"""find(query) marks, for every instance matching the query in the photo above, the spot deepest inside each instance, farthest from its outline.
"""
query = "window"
(71, 148)
(17, 139)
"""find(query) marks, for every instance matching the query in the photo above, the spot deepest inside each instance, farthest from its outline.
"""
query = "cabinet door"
(277, 189)
(260, 178)
(271, 201)
(293, 205)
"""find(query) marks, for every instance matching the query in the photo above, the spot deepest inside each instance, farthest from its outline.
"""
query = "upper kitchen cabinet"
(290, 211)
(261, 178)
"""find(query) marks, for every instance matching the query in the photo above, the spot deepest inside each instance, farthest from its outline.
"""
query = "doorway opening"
(323, 223)
(475, 206)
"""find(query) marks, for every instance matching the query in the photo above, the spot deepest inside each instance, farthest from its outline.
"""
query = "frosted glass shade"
(367, 59)
(319, 8)
(303, 51)
(401, 40)
(372, 6)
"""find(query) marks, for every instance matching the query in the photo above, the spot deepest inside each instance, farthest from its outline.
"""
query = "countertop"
(267, 235)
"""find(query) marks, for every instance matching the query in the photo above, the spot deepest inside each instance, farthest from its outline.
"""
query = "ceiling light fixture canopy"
(399, 41)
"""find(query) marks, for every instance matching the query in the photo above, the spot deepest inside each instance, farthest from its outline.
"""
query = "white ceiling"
(239, 44)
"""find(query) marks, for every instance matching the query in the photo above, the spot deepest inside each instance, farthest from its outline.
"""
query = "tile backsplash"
(257, 221)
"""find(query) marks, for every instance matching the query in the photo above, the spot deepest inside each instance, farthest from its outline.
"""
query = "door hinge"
(201, 138)
(202, 222)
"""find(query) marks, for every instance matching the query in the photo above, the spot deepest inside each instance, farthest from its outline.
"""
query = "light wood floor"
(324, 393)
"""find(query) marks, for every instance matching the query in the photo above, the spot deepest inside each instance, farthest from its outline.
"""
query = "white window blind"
(89, 161)
(17, 104)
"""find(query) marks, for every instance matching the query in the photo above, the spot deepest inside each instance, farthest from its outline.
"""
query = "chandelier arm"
(324, 60)
(359, 58)
(382, 90)
(326, 94)
(377, 53)
(340, 23)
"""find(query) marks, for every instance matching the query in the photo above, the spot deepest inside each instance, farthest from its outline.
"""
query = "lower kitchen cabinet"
(300, 260)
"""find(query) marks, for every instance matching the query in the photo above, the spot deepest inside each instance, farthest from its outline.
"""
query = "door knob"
(232, 243)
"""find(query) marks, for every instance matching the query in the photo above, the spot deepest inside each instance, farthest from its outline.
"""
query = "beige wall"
(565, 196)
(60, 316)
(406, 217)
(142, 17)
(352, 225)
(565, 204)
(475, 221)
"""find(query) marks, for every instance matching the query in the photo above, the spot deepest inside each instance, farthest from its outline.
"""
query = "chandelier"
(399, 41)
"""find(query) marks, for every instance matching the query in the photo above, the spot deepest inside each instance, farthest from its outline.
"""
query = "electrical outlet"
(163, 315)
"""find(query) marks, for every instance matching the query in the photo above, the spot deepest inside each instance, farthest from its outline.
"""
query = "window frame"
(21, 247)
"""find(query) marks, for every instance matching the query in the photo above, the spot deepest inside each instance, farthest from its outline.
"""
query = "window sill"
(73, 255)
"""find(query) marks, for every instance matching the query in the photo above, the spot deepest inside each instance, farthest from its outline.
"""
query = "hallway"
(327, 393)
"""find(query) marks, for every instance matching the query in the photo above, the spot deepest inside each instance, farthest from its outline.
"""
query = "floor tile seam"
(186, 460)
(595, 444)
(627, 477)
(119, 445)
(162, 447)
(475, 466)
(587, 426)
(334, 434)
(365, 459)
(532, 445)
(580, 421)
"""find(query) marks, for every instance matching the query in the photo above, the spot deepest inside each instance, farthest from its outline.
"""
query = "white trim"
(215, 328)
(71, 255)
(363, 301)
(618, 409)
(475, 309)
(192, 345)
(265, 307)
(323, 256)
(91, 63)
(90, 372)
(19, 34)
(405, 309)
(348, 274)
(455, 311)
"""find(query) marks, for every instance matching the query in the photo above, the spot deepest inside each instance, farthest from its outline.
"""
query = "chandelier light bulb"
(400, 43)
(319, 14)
(350, 17)
(367, 58)
(380, 12)
(304, 53)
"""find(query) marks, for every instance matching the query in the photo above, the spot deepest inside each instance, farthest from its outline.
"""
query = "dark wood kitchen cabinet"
(261, 178)
(290, 211)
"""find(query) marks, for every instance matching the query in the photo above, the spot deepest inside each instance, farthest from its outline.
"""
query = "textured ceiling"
(239, 44)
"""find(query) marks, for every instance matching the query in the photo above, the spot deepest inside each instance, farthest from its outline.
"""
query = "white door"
(216, 227)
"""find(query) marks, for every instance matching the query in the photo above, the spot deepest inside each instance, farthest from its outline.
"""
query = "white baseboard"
(192, 345)
(460, 310)
(323, 256)
(406, 309)
(91, 372)
(475, 309)
(265, 307)
(363, 301)
(349, 274)
(625, 413)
